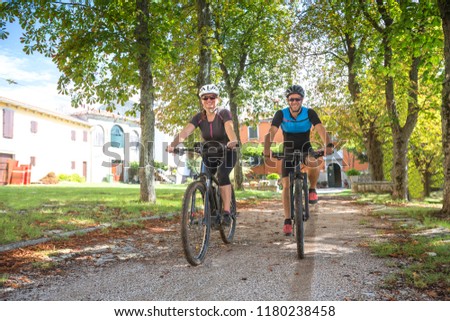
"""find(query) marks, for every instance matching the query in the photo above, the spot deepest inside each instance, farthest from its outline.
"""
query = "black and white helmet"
(209, 89)
(295, 89)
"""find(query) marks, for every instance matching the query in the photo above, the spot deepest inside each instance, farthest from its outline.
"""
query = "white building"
(48, 141)
(97, 145)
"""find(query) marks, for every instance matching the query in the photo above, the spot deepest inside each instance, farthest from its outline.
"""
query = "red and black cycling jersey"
(215, 130)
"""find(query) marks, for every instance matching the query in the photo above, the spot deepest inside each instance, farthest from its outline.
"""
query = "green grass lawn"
(29, 212)
(419, 239)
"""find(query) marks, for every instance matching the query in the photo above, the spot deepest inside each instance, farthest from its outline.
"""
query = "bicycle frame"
(298, 174)
(212, 194)
(195, 236)
(298, 187)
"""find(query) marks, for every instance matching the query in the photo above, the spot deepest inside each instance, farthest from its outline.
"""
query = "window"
(8, 123)
(73, 165)
(252, 132)
(98, 136)
(34, 126)
(33, 160)
(85, 136)
(117, 137)
(134, 140)
(73, 135)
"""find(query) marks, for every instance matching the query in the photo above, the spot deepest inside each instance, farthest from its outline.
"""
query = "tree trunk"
(146, 158)
(375, 154)
(400, 167)
(372, 142)
(444, 8)
(203, 28)
(427, 182)
(238, 174)
(401, 134)
(231, 87)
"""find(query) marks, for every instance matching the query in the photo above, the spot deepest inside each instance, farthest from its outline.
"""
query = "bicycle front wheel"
(195, 223)
(298, 217)
(227, 232)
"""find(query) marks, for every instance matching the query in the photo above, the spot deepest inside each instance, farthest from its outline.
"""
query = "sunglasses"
(294, 99)
(209, 97)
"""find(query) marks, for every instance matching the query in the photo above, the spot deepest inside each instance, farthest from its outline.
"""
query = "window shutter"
(34, 126)
(8, 123)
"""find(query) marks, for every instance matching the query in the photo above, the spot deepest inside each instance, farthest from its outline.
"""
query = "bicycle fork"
(304, 187)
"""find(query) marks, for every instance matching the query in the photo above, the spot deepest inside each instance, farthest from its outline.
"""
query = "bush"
(133, 169)
(273, 176)
(160, 165)
(71, 178)
(353, 172)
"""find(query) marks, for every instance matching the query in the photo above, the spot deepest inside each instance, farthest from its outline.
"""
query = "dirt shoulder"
(148, 263)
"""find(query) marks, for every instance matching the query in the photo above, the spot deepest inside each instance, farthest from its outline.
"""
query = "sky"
(35, 76)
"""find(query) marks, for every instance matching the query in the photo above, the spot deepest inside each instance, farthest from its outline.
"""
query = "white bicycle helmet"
(209, 89)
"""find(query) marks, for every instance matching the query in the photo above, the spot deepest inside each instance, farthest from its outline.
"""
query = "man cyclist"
(296, 122)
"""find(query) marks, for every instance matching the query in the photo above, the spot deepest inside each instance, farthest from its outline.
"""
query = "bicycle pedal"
(215, 222)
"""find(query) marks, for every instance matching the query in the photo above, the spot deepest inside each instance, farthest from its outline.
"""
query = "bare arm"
(268, 140)
(229, 129)
(187, 130)
(325, 138)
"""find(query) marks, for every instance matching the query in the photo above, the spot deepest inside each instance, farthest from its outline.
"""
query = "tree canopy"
(373, 69)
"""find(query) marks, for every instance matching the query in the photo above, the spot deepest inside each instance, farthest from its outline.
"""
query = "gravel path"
(260, 265)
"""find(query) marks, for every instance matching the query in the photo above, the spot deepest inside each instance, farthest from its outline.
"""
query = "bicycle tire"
(195, 223)
(298, 218)
(306, 198)
(227, 232)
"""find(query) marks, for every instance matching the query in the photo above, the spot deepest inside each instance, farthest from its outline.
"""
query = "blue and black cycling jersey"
(296, 130)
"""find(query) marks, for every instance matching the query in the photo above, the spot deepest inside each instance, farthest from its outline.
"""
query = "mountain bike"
(201, 211)
(298, 195)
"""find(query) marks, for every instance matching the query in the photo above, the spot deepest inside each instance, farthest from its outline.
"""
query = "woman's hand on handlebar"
(232, 144)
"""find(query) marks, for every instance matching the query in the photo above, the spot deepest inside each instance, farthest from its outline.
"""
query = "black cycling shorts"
(223, 164)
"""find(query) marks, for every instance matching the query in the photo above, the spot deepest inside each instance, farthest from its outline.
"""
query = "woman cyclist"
(216, 125)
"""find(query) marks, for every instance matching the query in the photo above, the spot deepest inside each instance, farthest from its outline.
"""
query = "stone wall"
(378, 187)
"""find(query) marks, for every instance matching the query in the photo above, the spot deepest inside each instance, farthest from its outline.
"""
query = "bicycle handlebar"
(315, 154)
(199, 148)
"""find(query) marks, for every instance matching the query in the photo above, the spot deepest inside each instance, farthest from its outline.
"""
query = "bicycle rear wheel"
(227, 232)
(298, 218)
(195, 223)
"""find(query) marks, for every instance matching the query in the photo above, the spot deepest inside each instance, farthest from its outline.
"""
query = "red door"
(4, 168)
(85, 171)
